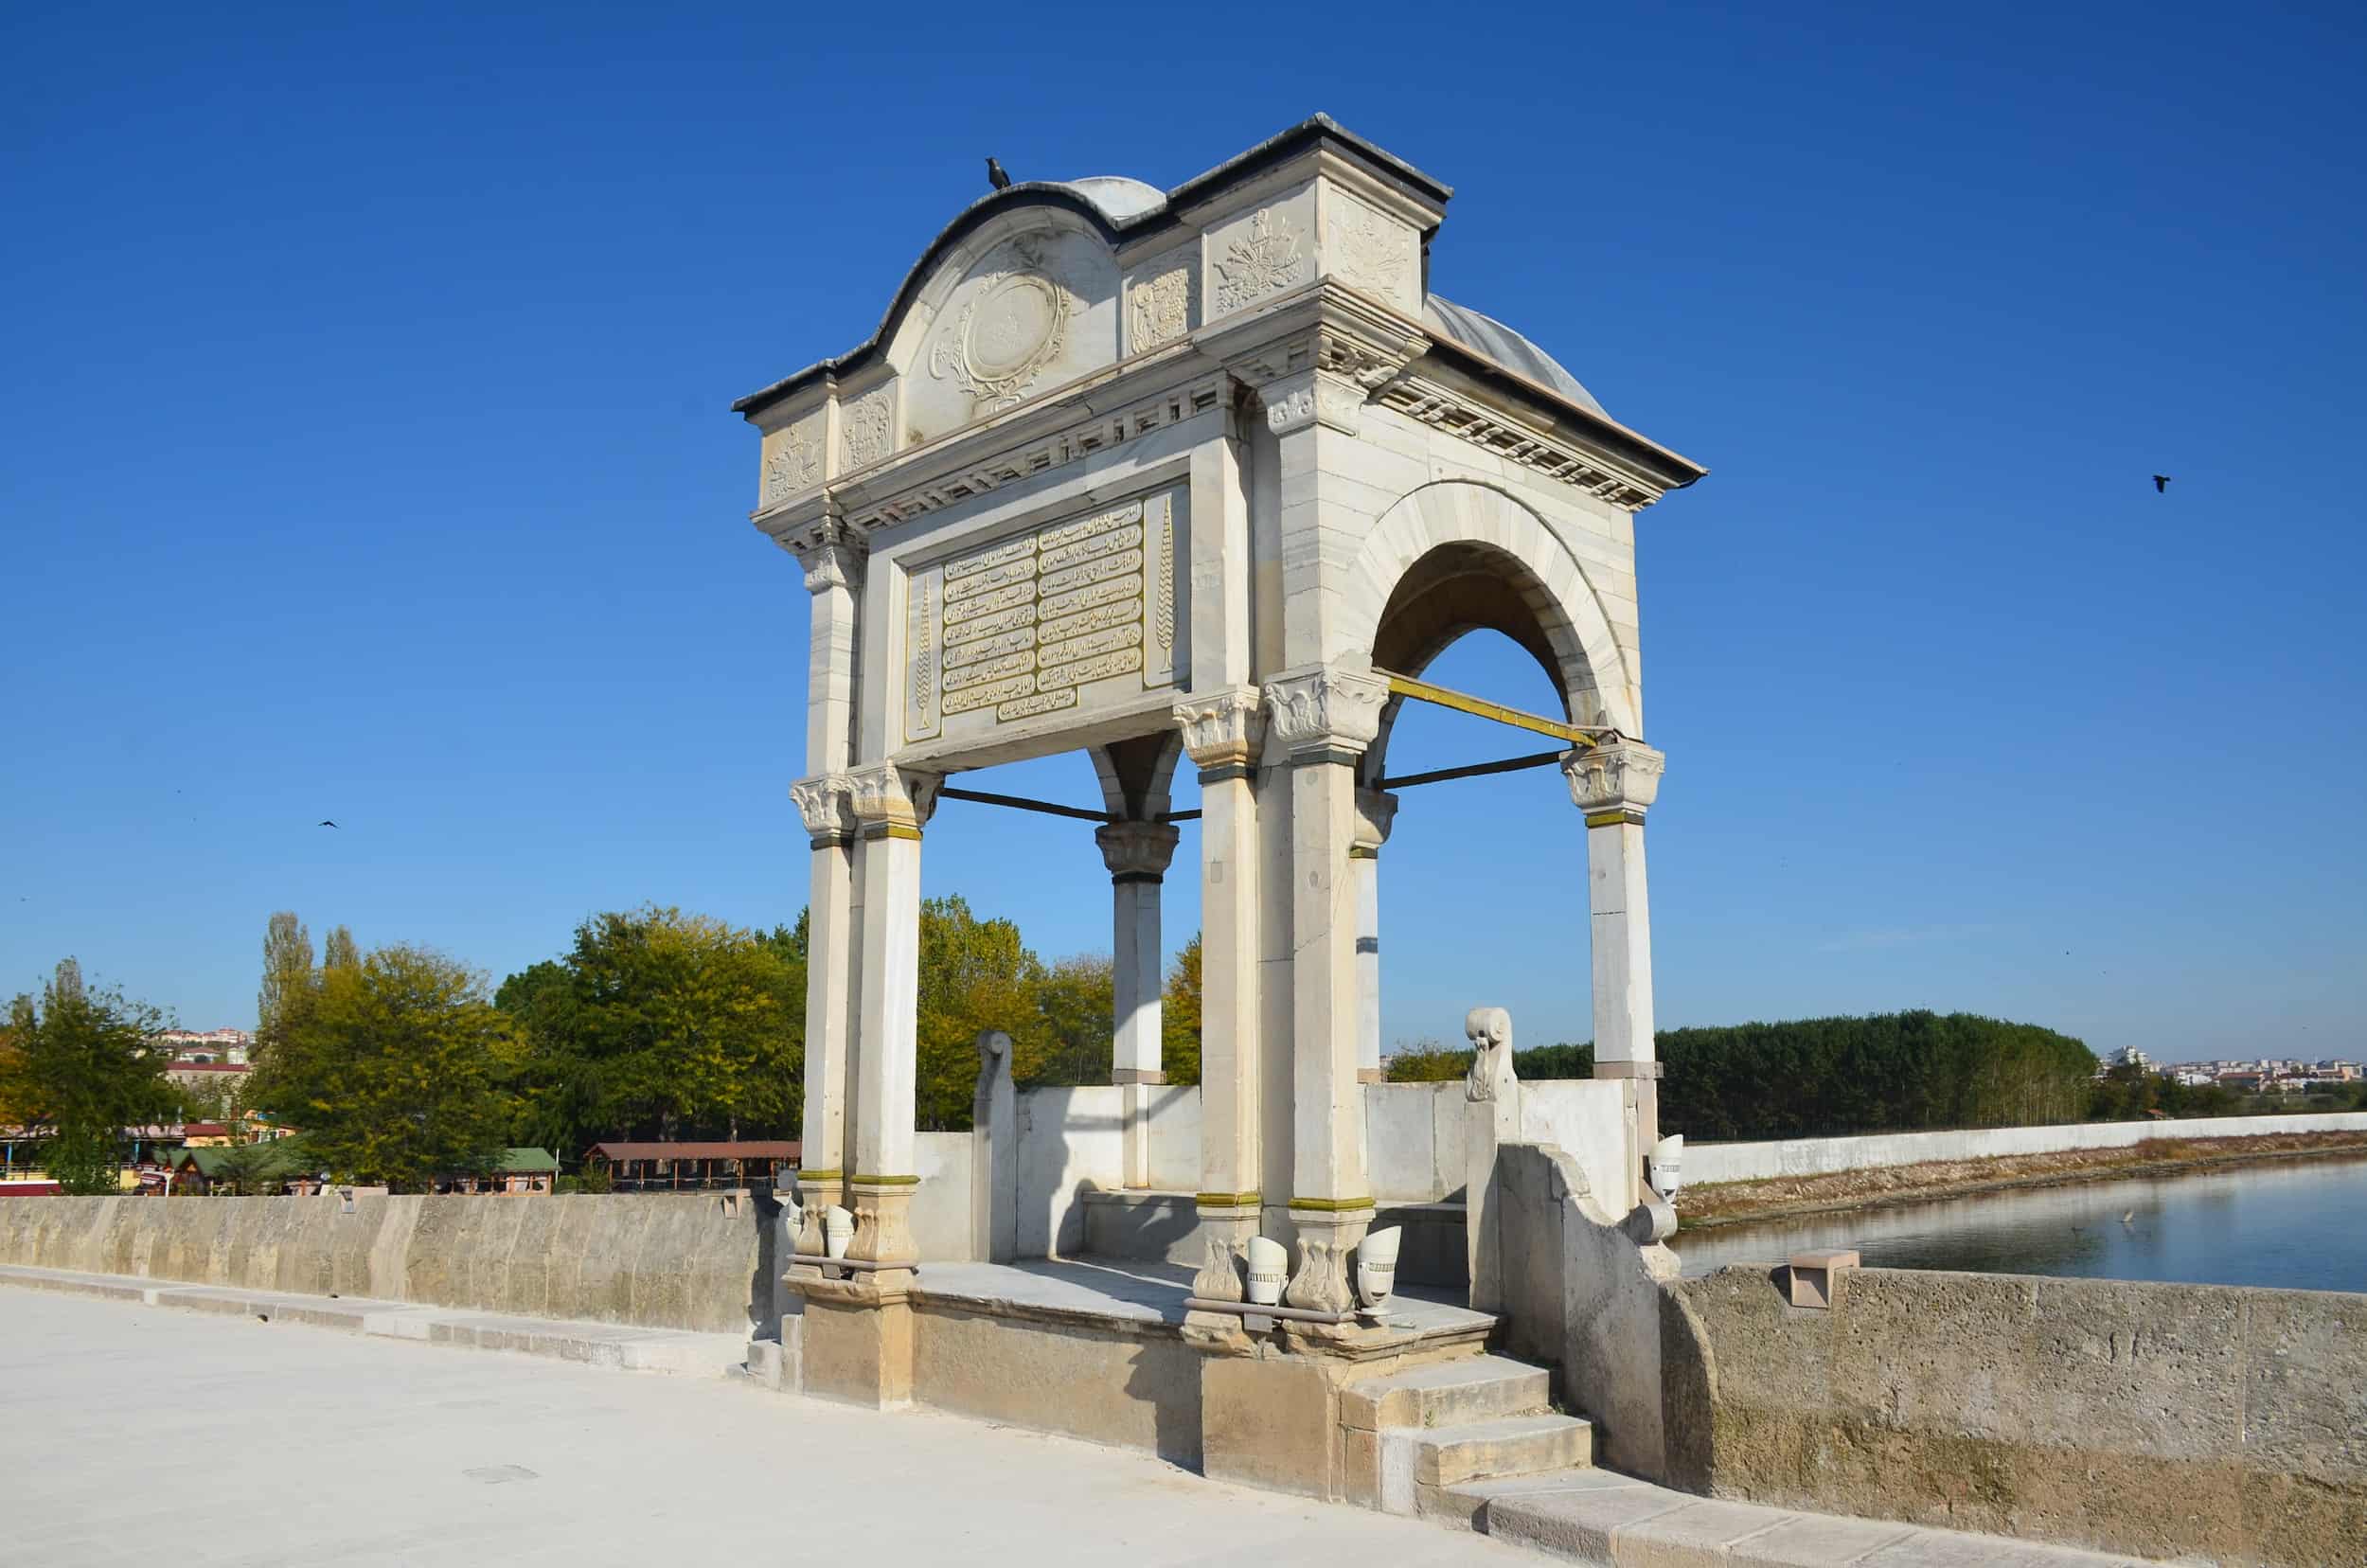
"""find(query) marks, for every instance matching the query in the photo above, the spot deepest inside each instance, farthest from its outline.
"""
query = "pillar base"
(815, 1192)
(1325, 1280)
(858, 1350)
(882, 1207)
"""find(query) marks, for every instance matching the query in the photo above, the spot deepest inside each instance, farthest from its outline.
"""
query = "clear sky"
(364, 454)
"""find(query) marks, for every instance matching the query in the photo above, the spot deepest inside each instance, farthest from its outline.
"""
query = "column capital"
(1615, 781)
(826, 803)
(892, 802)
(1376, 813)
(1295, 402)
(832, 552)
(1324, 711)
(1137, 851)
(1223, 729)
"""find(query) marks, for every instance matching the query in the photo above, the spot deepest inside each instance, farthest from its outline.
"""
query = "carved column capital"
(893, 802)
(1326, 712)
(826, 803)
(832, 553)
(1312, 397)
(1137, 851)
(1224, 728)
(1617, 781)
(1376, 813)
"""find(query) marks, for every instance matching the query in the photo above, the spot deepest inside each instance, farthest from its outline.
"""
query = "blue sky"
(367, 456)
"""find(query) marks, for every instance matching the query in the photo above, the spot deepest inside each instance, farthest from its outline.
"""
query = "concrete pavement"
(205, 1438)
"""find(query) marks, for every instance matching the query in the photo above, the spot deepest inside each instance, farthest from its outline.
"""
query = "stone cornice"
(1582, 449)
(1618, 776)
(1224, 728)
(1325, 708)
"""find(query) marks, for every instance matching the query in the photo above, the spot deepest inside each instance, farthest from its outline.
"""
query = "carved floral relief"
(867, 427)
(1013, 324)
(1267, 259)
(1367, 250)
(1159, 309)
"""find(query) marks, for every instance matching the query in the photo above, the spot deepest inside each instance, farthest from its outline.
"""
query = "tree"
(287, 978)
(1076, 1001)
(338, 951)
(1180, 1016)
(80, 1068)
(394, 1068)
(661, 1022)
(974, 975)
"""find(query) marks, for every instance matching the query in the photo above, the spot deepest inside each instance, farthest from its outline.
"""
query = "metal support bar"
(1473, 770)
(1023, 803)
(856, 1265)
(1250, 1309)
(1479, 708)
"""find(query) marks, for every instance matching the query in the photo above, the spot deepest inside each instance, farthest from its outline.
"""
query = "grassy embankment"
(1732, 1203)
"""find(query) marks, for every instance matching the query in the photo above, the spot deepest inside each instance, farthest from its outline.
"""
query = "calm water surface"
(2300, 1225)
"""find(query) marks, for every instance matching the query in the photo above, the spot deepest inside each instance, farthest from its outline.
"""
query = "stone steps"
(1611, 1521)
(1417, 1433)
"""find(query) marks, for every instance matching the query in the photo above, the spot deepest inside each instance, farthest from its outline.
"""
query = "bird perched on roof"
(2160, 483)
(995, 176)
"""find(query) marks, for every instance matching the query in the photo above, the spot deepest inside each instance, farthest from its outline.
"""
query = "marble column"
(1320, 719)
(833, 559)
(1136, 854)
(833, 910)
(1222, 732)
(1375, 813)
(1614, 784)
(890, 804)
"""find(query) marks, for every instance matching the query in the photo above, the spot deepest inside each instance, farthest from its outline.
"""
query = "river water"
(2300, 1224)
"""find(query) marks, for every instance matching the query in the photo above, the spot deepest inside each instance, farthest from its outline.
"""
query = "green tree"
(393, 1068)
(1180, 1016)
(82, 1068)
(975, 974)
(338, 951)
(658, 1023)
(1075, 1005)
(287, 978)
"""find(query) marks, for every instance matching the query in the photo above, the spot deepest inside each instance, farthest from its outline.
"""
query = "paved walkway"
(237, 1432)
(210, 1438)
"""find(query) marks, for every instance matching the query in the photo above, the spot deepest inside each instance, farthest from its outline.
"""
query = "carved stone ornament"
(1224, 727)
(1366, 249)
(1614, 777)
(1159, 309)
(867, 427)
(1490, 1032)
(832, 554)
(1313, 397)
(1321, 1284)
(1376, 813)
(887, 794)
(1327, 707)
(1266, 260)
(827, 803)
(1219, 1277)
(1137, 848)
(796, 465)
(1015, 323)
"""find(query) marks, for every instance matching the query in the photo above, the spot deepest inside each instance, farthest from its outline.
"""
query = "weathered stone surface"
(2166, 1420)
(657, 1259)
(1141, 1390)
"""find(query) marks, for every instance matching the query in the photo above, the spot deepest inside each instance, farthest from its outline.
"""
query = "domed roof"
(1506, 347)
(1118, 197)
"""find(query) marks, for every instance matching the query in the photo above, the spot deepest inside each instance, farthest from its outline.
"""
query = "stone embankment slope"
(1775, 1197)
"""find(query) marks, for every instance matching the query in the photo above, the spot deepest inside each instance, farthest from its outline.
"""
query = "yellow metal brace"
(1423, 691)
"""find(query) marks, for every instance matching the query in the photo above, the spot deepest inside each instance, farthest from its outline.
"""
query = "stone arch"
(1457, 557)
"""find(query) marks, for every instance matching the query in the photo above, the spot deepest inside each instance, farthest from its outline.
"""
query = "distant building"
(232, 1046)
(659, 1165)
(516, 1170)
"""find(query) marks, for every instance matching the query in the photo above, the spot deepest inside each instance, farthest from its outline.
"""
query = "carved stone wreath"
(1366, 246)
(796, 466)
(1014, 325)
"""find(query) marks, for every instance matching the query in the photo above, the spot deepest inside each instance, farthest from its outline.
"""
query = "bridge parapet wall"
(693, 1261)
(1754, 1162)
(2158, 1419)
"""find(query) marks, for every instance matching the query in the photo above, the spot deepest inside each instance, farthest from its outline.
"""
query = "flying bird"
(2160, 483)
(995, 176)
(326, 823)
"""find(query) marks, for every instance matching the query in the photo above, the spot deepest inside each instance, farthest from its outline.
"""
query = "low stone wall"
(2163, 1420)
(1758, 1162)
(699, 1261)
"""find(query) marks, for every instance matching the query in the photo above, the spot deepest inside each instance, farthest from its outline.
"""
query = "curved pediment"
(1025, 302)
